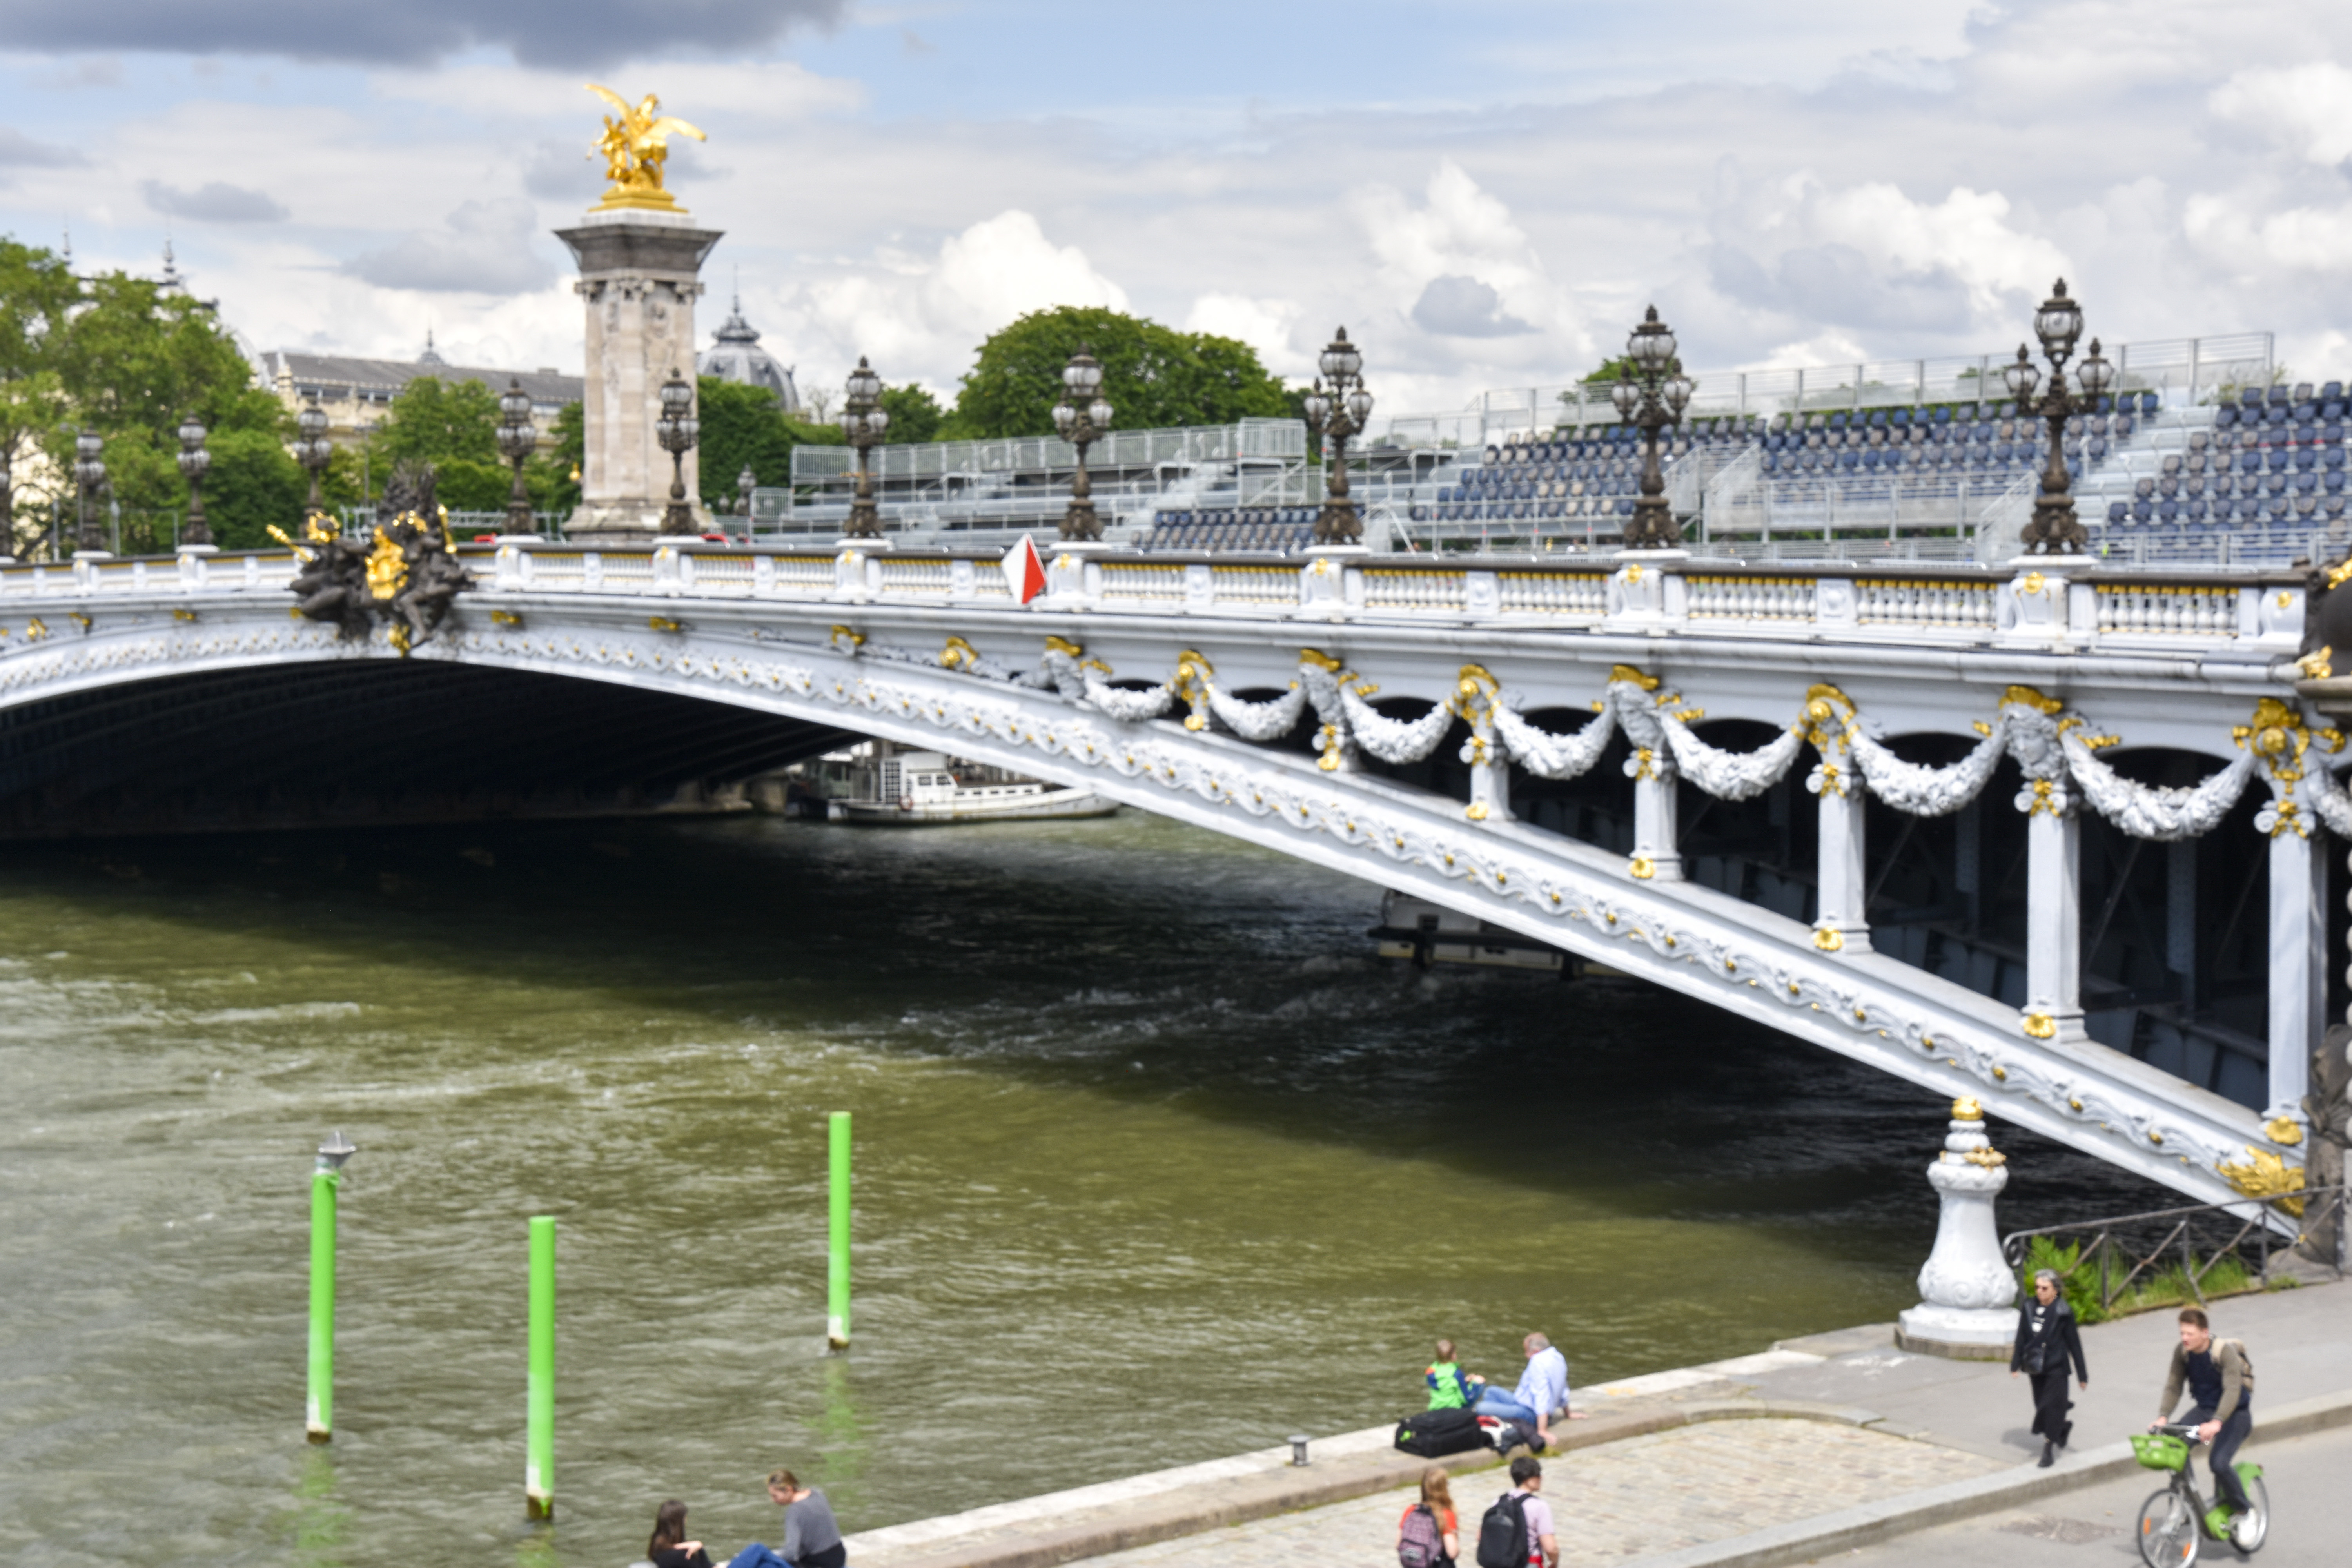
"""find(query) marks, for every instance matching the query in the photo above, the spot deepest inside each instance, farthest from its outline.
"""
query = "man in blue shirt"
(1541, 1396)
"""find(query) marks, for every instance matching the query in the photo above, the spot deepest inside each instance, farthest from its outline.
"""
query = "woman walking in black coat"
(2047, 1339)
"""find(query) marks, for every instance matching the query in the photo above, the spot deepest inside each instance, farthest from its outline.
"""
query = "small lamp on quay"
(863, 422)
(678, 430)
(518, 440)
(195, 462)
(1082, 415)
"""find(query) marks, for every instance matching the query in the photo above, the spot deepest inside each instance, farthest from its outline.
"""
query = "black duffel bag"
(1433, 1433)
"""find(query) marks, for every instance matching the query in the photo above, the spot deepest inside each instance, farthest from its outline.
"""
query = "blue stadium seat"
(2167, 510)
(2194, 510)
(2118, 512)
(2142, 511)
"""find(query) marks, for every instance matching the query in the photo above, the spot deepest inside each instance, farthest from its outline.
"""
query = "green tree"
(914, 414)
(136, 361)
(443, 423)
(36, 295)
(252, 484)
(1155, 376)
(745, 427)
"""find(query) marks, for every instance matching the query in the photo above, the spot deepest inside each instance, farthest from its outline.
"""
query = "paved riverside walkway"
(1685, 1465)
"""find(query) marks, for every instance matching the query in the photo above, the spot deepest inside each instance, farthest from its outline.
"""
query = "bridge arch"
(965, 678)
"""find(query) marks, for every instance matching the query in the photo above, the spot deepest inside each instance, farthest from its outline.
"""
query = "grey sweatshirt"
(809, 1528)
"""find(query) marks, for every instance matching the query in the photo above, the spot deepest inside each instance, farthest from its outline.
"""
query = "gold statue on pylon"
(634, 148)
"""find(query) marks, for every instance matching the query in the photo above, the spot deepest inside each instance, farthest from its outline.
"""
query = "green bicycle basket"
(2159, 1451)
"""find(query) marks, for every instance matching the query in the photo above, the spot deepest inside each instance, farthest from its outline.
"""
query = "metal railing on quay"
(2137, 1257)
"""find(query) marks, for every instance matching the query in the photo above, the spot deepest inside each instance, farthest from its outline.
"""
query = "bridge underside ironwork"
(302, 745)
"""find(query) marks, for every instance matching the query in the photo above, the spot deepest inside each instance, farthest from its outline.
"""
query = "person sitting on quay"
(1450, 1388)
(1541, 1396)
(670, 1548)
(812, 1539)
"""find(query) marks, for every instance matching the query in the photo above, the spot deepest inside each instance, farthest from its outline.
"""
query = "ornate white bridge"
(1708, 776)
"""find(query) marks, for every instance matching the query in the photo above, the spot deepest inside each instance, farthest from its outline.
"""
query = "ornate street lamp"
(312, 450)
(89, 473)
(194, 462)
(2054, 530)
(863, 421)
(676, 430)
(1337, 407)
(745, 483)
(518, 440)
(1081, 416)
(1651, 394)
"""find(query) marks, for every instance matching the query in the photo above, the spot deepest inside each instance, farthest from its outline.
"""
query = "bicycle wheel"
(2167, 1530)
(2253, 1527)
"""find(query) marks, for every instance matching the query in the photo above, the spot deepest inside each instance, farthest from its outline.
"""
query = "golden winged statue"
(633, 148)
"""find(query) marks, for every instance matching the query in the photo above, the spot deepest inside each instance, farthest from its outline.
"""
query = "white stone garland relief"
(2147, 811)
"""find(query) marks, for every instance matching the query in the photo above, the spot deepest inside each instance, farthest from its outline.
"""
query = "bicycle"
(2174, 1521)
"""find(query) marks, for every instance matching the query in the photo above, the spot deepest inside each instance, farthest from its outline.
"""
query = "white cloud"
(1265, 325)
(2305, 109)
(919, 318)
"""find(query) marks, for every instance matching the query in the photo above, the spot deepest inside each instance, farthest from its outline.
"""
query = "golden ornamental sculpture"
(635, 147)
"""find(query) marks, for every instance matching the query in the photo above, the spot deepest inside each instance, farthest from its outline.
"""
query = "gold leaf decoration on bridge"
(2265, 1175)
(2284, 1130)
(957, 655)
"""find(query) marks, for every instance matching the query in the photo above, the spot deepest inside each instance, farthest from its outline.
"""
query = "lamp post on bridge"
(863, 422)
(89, 474)
(2055, 528)
(1336, 415)
(312, 450)
(678, 429)
(518, 440)
(194, 462)
(1081, 416)
(1651, 394)
(745, 483)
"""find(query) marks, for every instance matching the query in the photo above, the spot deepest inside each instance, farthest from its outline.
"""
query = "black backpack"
(1502, 1533)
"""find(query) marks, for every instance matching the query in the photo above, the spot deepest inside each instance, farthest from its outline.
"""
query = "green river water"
(1154, 1164)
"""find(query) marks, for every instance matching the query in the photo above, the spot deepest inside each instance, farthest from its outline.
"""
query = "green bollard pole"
(837, 1319)
(327, 1175)
(539, 1462)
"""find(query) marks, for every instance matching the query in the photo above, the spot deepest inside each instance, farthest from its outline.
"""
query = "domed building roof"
(738, 356)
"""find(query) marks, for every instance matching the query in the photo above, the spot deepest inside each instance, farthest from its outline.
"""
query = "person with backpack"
(2047, 1339)
(2220, 1381)
(1428, 1536)
(1517, 1531)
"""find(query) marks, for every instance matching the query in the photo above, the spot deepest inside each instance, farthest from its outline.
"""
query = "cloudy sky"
(1486, 194)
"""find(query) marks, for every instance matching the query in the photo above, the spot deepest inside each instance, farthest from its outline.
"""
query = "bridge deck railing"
(2027, 602)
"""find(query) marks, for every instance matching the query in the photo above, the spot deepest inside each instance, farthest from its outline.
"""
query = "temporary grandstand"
(2197, 458)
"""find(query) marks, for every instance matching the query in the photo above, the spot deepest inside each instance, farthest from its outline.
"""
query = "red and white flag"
(1025, 570)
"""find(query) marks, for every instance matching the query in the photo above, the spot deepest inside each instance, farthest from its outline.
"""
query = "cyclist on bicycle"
(2222, 1391)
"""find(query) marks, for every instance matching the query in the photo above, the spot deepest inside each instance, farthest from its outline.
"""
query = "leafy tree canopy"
(1154, 376)
(914, 414)
(441, 423)
(119, 356)
(745, 427)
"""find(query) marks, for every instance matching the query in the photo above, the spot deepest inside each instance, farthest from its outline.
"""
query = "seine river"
(1154, 1164)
